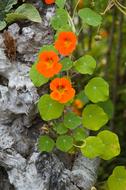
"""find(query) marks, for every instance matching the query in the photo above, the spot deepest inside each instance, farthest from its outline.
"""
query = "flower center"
(67, 43)
(61, 88)
(49, 62)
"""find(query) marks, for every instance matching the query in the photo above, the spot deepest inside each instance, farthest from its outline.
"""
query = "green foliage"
(117, 179)
(36, 77)
(107, 107)
(93, 147)
(25, 11)
(97, 90)
(81, 96)
(6, 5)
(90, 17)
(45, 143)
(64, 143)
(66, 64)
(100, 5)
(111, 142)
(60, 18)
(29, 11)
(60, 128)
(71, 120)
(85, 65)
(67, 129)
(60, 3)
(13, 17)
(47, 48)
(94, 117)
(79, 134)
(2, 25)
(49, 109)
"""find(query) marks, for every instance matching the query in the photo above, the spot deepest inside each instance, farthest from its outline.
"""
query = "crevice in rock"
(4, 181)
(3, 81)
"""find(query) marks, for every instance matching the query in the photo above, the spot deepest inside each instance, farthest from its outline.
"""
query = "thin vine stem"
(75, 8)
(120, 4)
(109, 6)
(120, 8)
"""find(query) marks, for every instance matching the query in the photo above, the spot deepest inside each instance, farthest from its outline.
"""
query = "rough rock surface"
(21, 166)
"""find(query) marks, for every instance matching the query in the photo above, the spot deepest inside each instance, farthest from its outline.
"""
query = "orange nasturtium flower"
(48, 64)
(48, 2)
(66, 43)
(62, 90)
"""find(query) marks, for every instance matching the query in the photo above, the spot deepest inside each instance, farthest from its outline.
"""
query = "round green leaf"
(66, 64)
(64, 143)
(93, 147)
(111, 142)
(97, 90)
(30, 12)
(45, 143)
(49, 109)
(37, 78)
(60, 18)
(117, 179)
(85, 65)
(71, 120)
(94, 117)
(79, 134)
(60, 128)
(90, 17)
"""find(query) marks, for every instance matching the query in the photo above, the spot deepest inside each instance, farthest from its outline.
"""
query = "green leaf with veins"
(64, 143)
(45, 143)
(49, 109)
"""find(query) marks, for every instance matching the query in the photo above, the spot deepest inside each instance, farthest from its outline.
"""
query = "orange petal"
(55, 95)
(54, 84)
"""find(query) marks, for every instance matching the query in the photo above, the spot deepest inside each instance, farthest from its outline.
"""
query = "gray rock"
(24, 167)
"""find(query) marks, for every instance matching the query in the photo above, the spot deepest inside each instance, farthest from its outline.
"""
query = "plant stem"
(75, 8)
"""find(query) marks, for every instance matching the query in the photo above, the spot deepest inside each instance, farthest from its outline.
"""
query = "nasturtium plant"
(93, 147)
(71, 120)
(45, 143)
(66, 64)
(111, 142)
(60, 128)
(47, 48)
(97, 90)
(64, 143)
(61, 17)
(90, 17)
(85, 65)
(69, 107)
(79, 134)
(60, 3)
(107, 107)
(117, 179)
(94, 117)
(37, 79)
(49, 109)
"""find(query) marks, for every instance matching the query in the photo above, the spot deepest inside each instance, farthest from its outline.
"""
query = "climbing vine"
(56, 65)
